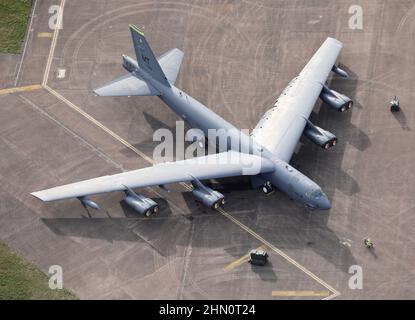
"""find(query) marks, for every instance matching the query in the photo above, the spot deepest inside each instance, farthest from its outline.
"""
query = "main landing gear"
(267, 188)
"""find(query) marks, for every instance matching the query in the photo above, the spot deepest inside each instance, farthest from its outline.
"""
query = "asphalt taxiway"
(238, 57)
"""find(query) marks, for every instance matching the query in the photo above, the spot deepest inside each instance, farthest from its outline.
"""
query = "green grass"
(20, 280)
(14, 16)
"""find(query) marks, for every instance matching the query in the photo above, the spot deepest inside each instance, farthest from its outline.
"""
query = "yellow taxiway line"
(20, 89)
(241, 260)
(300, 294)
(148, 159)
(280, 253)
(45, 35)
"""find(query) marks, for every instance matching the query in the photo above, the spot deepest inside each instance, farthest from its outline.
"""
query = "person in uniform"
(394, 104)
(368, 243)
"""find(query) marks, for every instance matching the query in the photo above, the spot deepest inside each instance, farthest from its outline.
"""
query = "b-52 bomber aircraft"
(269, 147)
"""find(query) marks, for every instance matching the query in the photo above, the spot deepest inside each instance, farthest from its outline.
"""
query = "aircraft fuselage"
(285, 177)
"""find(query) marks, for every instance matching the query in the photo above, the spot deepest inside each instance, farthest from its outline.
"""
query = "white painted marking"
(61, 73)
(29, 31)
(52, 49)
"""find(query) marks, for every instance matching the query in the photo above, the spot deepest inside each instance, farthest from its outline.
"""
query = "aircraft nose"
(324, 203)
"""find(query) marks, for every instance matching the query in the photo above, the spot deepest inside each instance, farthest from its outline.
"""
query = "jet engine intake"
(335, 100)
(207, 196)
(139, 203)
(319, 136)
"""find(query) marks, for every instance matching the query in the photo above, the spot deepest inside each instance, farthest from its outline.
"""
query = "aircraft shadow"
(147, 146)
(169, 234)
(163, 232)
(299, 228)
(329, 166)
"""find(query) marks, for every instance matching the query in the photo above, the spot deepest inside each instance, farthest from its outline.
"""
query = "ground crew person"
(394, 104)
(368, 243)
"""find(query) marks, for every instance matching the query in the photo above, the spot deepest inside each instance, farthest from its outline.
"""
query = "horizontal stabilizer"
(170, 63)
(128, 85)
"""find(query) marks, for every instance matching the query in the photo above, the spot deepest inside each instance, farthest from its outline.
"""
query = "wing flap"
(222, 165)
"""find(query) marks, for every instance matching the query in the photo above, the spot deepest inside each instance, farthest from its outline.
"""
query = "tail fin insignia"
(145, 57)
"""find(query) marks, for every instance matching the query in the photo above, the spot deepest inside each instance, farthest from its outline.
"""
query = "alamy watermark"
(356, 280)
(55, 20)
(356, 19)
(56, 278)
(208, 150)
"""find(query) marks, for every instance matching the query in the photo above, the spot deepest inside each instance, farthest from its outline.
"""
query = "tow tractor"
(258, 257)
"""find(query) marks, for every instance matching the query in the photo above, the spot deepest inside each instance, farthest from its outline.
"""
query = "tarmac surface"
(239, 55)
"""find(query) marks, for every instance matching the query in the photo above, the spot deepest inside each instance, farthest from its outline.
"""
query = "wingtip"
(180, 52)
(37, 195)
(335, 41)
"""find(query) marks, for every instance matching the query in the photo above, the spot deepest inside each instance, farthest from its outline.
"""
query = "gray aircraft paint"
(272, 142)
(285, 177)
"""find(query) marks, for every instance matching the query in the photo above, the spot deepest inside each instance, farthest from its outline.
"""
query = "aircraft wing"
(281, 130)
(170, 63)
(127, 85)
(221, 165)
(320, 65)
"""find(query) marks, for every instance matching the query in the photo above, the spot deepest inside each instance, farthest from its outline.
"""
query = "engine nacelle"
(336, 100)
(319, 136)
(129, 63)
(339, 72)
(207, 196)
(86, 202)
(140, 204)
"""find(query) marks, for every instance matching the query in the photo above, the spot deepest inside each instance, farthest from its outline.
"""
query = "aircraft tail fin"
(170, 64)
(145, 57)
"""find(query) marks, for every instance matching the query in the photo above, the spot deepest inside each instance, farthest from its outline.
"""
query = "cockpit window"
(317, 194)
